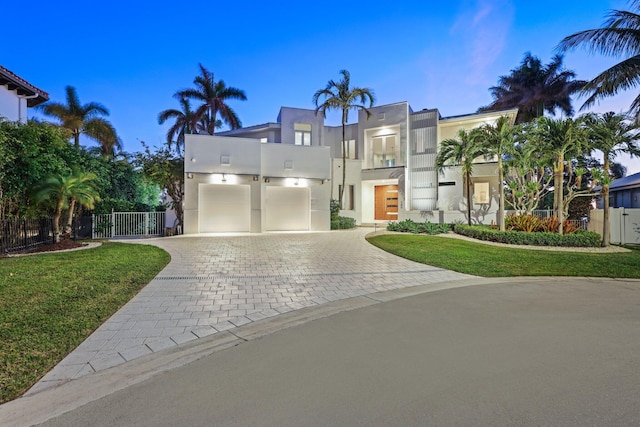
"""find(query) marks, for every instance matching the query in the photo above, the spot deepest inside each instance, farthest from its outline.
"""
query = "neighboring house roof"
(626, 182)
(256, 128)
(22, 87)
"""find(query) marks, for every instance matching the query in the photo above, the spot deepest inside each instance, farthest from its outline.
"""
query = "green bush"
(579, 238)
(334, 208)
(410, 226)
(343, 223)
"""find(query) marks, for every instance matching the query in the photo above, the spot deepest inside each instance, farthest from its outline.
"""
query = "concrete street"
(522, 351)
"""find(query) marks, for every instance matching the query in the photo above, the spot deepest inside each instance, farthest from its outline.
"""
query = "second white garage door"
(224, 208)
(288, 208)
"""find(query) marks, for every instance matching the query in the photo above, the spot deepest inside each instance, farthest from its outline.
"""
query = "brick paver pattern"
(216, 283)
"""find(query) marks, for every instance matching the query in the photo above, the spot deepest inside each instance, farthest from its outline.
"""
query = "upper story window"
(302, 133)
(351, 149)
(384, 151)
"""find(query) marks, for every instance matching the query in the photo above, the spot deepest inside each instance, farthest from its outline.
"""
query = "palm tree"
(77, 186)
(462, 151)
(341, 96)
(185, 123)
(535, 88)
(560, 140)
(611, 134)
(83, 119)
(214, 96)
(619, 37)
(499, 139)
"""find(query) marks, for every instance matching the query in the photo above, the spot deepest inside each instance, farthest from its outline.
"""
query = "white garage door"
(224, 208)
(288, 209)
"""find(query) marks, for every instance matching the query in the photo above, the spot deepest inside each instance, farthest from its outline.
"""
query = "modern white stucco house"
(282, 175)
(16, 95)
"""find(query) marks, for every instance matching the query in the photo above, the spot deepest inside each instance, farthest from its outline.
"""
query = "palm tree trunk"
(501, 189)
(558, 185)
(56, 221)
(468, 175)
(344, 158)
(76, 139)
(72, 207)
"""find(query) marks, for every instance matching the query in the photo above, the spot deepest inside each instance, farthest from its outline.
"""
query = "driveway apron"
(217, 283)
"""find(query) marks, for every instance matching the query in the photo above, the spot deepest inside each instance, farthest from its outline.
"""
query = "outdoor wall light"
(297, 181)
(256, 178)
(266, 179)
(224, 179)
(189, 175)
(193, 160)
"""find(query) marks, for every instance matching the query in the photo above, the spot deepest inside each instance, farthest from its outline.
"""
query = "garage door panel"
(224, 208)
(288, 209)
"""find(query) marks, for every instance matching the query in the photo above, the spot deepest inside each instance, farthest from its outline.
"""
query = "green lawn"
(497, 261)
(50, 302)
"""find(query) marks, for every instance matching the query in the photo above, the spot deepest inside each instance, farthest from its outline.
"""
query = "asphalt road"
(560, 352)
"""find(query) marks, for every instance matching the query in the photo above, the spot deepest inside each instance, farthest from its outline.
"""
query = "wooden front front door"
(386, 203)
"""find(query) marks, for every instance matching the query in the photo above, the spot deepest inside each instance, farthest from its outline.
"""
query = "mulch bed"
(60, 246)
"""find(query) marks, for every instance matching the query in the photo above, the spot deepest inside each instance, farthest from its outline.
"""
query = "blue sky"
(133, 56)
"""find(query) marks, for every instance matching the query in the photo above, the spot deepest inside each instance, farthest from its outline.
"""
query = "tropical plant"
(462, 151)
(163, 168)
(499, 140)
(528, 179)
(560, 140)
(84, 119)
(342, 96)
(618, 37)
(60, 189)
(611, 134)
(185, 123)
(214, 96)
(535, 88)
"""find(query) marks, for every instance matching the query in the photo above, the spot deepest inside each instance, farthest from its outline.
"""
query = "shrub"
(410, 226)
(527, 223)
(343, 223)
(334, 208)
(579, 238)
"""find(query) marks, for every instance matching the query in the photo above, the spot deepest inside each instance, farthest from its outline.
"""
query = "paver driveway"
(216, 283)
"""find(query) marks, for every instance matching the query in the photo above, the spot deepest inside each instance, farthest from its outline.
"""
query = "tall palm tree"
(499, 139)
(77, 186)
(611, 134)
(84, 119)
(619, 37)
(214, 96)
(342, 96)
(535, 88)
(185, 123)
(462, 151)
(560, 140)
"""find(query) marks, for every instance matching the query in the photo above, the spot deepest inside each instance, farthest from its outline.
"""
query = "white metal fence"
(128, 224)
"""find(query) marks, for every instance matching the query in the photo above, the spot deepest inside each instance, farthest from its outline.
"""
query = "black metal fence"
(22, 235)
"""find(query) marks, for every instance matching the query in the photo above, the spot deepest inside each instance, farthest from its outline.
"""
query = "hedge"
(343, 223)
(410, 226)
(579, 238)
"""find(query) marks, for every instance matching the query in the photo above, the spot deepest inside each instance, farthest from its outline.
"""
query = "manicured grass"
(495, 261)
(50, 302)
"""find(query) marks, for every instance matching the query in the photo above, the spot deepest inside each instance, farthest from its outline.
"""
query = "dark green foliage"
(343, 223)
(334, 208)
(579, 238)
(410, 226)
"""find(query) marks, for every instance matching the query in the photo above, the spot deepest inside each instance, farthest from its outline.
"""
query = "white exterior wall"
(247, 163)
(12, 107)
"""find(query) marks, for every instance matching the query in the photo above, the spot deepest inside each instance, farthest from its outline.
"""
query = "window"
(348, 198)
(302, 133)
(351, 149)
(481, 192)
(384, 151)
